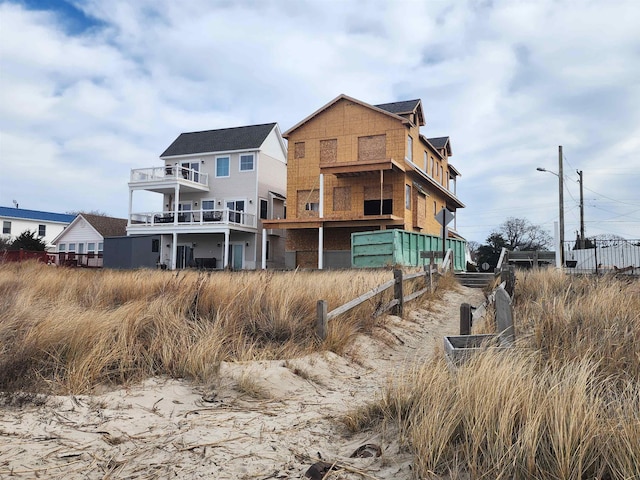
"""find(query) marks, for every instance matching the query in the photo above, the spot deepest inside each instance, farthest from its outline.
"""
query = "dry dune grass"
(565, 404)
(68, 330)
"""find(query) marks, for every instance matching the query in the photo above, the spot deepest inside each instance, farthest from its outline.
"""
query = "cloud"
(83, 103)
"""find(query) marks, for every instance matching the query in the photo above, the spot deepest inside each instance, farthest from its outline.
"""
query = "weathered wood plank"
(322, 320)
(504, 318)
(362, 298)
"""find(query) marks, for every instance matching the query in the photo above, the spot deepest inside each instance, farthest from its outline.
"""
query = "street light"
(560, 201)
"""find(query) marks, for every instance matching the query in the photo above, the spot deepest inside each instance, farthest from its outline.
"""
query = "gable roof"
(221, 140)
(106, 226)
(342, 96)
(441, 143)
(405, 107)
(35, 215)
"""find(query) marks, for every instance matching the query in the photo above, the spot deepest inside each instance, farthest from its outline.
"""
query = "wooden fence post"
(465, 319)
(397, 293)
(504, 318)
(508, 276)
(321, 322)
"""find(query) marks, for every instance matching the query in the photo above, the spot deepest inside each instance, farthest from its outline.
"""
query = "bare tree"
(521, 234)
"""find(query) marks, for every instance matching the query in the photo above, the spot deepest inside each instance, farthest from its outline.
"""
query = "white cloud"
(508, 81)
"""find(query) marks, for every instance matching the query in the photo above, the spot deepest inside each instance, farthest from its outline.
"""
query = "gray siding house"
(214, 189)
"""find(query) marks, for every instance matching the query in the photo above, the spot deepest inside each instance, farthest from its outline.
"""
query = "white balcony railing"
(168, 173)
(194, 217)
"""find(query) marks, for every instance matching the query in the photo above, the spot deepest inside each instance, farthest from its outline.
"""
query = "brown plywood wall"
(372, 147)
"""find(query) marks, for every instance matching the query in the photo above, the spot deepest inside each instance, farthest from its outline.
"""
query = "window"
(208, 204)
(407, 197)
(264, 209)
(312, 206)
(62, 247)
(432, 164)
(190, 171)
(246, 162)
(373, 147)
(6, 227)
(441, 175)
(426, 162)
(341, 199)
(329, 151)
(222, 167)
(155, 245)
(72, 247)
(91, 248)
(299, 150)
(42, 230)
(410, 148)
(100, 247)
(81, 248)
(435, 208)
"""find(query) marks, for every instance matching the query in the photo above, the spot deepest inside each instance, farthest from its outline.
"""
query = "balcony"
(191, 221)
(350, 169)
(165, 179)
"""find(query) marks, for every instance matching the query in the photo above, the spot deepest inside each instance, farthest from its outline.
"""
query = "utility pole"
(582, 242)
(561, 196)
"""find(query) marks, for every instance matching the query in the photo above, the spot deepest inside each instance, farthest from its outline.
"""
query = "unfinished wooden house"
(355, 167)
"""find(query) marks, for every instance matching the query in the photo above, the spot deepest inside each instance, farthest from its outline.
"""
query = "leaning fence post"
(321, 322)
(397, 293)
(508, 276)
(504, 318)
(465, 319)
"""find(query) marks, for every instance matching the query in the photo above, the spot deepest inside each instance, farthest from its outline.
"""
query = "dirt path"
(264, 420)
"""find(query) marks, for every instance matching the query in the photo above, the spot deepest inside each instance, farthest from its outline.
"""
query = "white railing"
(194, 217)
(155, 174)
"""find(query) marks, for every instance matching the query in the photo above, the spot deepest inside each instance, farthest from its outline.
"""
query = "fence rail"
(397, 304)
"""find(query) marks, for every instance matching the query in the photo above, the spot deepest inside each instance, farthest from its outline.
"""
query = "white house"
(215, 188)
(45, 225)
(82, 242)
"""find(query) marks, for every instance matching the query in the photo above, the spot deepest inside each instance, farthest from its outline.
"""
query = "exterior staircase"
(474, 280)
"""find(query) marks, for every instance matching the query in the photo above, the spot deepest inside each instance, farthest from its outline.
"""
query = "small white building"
(45, 225)
(82, 242)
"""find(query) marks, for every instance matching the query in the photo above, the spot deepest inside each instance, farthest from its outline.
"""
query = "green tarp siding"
(386, 248)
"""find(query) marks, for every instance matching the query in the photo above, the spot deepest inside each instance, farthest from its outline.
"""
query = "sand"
(261, 420)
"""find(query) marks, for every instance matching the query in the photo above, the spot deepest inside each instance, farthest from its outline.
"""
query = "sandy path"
(171, 429)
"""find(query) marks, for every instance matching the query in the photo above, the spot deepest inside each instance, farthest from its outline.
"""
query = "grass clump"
(68, 330)
(564, 404)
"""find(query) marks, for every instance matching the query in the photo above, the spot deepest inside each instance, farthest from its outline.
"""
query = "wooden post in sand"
(465, 319)
(397, 293)
(322, 322)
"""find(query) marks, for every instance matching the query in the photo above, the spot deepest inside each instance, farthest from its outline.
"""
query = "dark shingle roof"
(35, 215)
(438, 142)
(406, 106)
(107, 226)
(222, 140)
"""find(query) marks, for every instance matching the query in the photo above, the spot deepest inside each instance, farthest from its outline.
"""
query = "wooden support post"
(465, 319)
(504, 318)
(397, 293)
(508, 276)
(321, 322)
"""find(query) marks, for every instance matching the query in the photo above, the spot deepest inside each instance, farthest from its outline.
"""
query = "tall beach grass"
(564, 404)
(71, 329)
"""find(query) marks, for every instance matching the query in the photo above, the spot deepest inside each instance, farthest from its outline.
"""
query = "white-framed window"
(312, 207)
(407, 197)
(208, 204)
(190, 171)
(410, 148)
(6, 227)
(72, 247)
(62, 247)
(426, 162)
(246, 162)
(81, 248)
(100, 247)
(264, 209)
(222, 167)
(91, 247)
(42, 230)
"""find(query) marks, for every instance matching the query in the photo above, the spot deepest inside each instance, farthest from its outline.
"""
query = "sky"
(90, 89)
